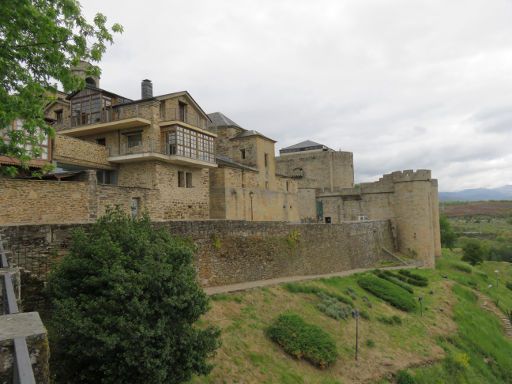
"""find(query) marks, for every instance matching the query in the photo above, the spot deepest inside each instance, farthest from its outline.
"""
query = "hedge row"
(412, 278)
(301, 288)
(303, 340)
(387, 291)
(387, 275)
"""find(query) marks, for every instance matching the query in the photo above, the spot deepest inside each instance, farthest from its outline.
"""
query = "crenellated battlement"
(410, 175)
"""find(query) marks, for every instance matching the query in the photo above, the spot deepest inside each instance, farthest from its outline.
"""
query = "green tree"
(473, 252)
(124, 304)
(448, 236)
(40, 40)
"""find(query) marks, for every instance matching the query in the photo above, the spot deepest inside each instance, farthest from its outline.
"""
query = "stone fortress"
(166, 155)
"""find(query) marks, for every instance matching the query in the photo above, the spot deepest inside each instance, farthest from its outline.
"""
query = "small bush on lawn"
(413, 278)
(303, 340)
(332, 307)
(404, 377)
(301, 288)
(364, 314)
(370, 343)
(392, 320)
(393, 294)
(387, 275)
(508, 284)
(462, 267)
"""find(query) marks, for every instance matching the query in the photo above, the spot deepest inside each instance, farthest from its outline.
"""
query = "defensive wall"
(408, 198)
(232, 252)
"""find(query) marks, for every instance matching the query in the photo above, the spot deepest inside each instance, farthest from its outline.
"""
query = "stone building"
(326, 193)
(245, 186)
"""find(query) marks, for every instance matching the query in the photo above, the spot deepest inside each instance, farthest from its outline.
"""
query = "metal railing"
(22, 367)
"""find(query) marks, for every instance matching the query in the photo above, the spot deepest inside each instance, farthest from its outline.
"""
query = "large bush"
(124, 304)
(393, 294)
(303, 340)
(448, 236)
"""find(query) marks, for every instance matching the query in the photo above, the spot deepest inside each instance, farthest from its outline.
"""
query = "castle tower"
(81, 71)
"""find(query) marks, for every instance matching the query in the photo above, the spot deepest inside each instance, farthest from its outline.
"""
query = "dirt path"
(486, 303)
(265, 283)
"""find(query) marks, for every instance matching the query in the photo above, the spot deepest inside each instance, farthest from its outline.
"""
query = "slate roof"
(220, 120)
(251, 133)
(306, 145)
(228, 161)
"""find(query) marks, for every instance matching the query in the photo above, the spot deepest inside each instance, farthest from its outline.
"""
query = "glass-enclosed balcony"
(177, 144)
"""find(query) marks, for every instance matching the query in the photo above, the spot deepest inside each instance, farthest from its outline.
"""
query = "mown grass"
(453, 332)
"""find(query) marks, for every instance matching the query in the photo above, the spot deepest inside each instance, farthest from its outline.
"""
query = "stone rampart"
(232, 252)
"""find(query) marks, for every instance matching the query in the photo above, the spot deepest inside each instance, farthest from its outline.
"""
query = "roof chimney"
(146, 89)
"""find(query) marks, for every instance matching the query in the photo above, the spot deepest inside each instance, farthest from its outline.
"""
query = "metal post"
(251, 195)
(497, 274)
(355, 314)
(421, 305)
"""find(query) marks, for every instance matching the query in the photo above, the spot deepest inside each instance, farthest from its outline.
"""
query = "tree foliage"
(473, 252)
(448, 236)
(123, 307)
(40, 40)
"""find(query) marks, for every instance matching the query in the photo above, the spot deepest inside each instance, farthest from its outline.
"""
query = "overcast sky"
(403, 84)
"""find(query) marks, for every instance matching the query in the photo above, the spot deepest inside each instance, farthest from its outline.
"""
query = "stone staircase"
(486, 303)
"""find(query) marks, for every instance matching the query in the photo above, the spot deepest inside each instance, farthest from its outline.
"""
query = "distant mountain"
(478, 194)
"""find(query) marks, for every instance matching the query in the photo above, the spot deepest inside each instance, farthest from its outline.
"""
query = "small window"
(101, 141)
(58, 116)
(266, 159)
(162, 110)
(242, 153)
(328, 220)
(181, 179)
(135, 140)
(135, 207)
(287, 186)
(189, 179)
(107, 177)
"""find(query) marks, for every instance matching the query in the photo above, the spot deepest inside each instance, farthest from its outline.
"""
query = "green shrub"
(367, 301)
(392, 320)
(303, 340)
(370, 343)
(473, 252)
(124, 304)
(412, 278)
(364, 314)
(393, 294)
(332, 307)
(461, 267)
(301, 288)
(404, 377)
(387, 275)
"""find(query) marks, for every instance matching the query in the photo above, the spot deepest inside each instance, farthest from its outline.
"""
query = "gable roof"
(306, 145)
(220, 120)
(251, 133)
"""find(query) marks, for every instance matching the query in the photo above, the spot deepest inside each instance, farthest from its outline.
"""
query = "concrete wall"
(237, 251)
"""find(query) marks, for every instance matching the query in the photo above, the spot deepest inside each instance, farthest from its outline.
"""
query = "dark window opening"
(58, 116)
(242, 153)
(328, 220)
(266, 159)
(182, 111)
(107, 177)
(101, 141)
(162, 110)
(135, 140)
(287, 186)
(181, 179)
(189, 179)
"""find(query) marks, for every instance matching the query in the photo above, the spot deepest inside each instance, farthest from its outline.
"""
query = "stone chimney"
(146, 89)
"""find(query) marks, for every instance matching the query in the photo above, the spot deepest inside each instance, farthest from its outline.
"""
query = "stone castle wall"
(232, 252)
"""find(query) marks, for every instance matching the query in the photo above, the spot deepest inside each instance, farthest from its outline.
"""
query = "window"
(58, 116)
(188, 143)
(266, 159)
(183, 112)
(44, 144)
(162, 110)
(107, 177)
(287, 187)
(242, 153)
(189, 179)
(135, 207)
(134, 140)
(181, 179)
(101, 141)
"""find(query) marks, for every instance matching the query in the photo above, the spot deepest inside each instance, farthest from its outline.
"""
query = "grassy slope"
(248, 356)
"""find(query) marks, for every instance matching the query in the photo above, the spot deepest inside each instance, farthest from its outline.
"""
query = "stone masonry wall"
(69, 150)
(232, 252)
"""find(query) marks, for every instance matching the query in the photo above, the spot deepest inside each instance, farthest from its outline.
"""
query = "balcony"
(144, 151)
(179, 115)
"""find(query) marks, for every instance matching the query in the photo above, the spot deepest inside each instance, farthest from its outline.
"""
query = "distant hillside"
(478, 194)
(484, 208)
